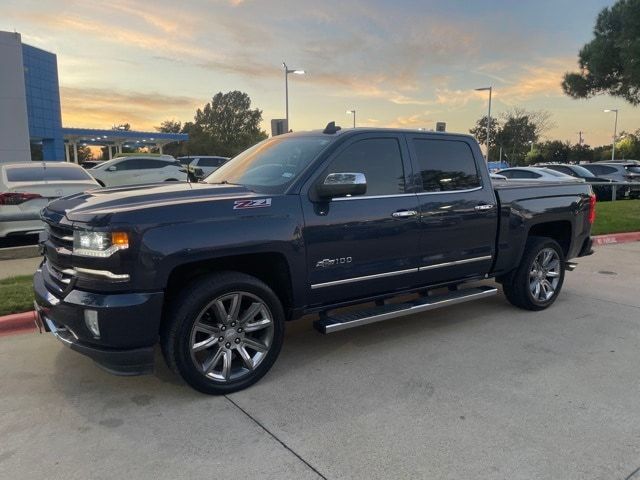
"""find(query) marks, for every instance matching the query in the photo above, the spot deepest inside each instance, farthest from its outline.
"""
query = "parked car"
(91, 163)
(497, 178)
(301, 223)
(618, 172)
(27, 187)
(536, 174)
(201, 167)
(133, 170)
(635, 162)
(603, 192)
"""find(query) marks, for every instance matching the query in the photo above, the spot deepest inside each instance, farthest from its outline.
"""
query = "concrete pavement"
(22, 266)
(477, 391)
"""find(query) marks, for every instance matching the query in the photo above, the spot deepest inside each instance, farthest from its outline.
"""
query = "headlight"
(99, 244)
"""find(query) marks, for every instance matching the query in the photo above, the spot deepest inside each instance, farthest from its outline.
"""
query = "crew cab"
(302, 223)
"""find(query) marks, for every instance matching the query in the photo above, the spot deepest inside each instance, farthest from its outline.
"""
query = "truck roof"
(334, 130)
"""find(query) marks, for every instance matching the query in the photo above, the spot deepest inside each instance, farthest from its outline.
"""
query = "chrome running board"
(329, 323)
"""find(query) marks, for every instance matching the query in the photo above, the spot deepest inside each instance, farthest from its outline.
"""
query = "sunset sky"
(406, 63)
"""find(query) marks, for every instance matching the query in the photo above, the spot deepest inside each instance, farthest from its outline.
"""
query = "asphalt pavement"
(476, 391)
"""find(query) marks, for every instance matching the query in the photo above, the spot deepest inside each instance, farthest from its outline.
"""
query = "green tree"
(169, 126)
(609, 63)
(480, 131)
(225, 126)
(176, 149)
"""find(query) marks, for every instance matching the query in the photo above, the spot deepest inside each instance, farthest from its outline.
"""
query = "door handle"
(404, 213)
(484, 206)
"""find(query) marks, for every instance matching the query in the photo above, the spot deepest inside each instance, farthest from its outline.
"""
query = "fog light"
(91, 320)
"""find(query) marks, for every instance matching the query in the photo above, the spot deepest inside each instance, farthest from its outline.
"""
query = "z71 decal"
(242, 204)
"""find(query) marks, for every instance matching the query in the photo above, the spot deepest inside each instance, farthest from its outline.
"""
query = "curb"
(16, 253)
(615, 238)
(17, 323)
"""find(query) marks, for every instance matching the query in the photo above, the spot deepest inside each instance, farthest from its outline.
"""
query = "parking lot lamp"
(287, 71)
(615, 131)
(352, 112)
(490, 89)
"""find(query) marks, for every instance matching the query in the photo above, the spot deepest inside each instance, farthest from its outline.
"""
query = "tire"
(519, 286)
(203, 338)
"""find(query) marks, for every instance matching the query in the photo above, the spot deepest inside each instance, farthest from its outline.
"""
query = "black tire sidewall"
(199, 294)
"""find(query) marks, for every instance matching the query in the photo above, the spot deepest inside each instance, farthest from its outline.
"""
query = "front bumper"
(129, 325)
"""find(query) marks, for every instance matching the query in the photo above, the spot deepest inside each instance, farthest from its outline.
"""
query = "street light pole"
(490, 89)
(615, 132)
(352, 112)
(287, 71)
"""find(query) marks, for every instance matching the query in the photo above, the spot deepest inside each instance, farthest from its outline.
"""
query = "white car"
(537, 174)
(136, 169)
(203, 166)
(26, 188)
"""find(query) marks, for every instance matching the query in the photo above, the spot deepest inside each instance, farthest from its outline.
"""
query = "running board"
(334, 323)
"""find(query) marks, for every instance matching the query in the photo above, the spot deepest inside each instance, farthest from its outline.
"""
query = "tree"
(84, 154)
(609, 63)
(169, 126)
(122, 126)
(480, 131)
(226, 126)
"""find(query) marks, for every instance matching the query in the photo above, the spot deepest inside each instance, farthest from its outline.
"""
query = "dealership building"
(30, 110)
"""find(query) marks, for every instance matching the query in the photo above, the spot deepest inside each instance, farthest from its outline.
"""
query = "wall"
(43, 101)
(14, 130)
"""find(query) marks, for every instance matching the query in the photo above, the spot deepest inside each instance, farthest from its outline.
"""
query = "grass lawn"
(617, 217)
(16, 295)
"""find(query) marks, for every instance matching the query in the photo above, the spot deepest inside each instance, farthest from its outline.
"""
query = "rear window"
(211, 162)
(41, 174)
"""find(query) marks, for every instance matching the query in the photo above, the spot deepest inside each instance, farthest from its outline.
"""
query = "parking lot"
(481, 390)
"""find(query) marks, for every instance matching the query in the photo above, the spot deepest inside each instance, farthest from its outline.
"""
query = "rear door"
(366, 244)
(458, 213)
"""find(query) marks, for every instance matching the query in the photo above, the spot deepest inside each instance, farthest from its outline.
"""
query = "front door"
(458, 211)
(367, 244)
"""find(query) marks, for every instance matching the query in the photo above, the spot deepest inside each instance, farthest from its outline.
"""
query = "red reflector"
(592, 208)
(16, 198)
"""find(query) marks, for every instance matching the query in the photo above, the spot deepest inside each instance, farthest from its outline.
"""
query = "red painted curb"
(614, 238)
(18, 322)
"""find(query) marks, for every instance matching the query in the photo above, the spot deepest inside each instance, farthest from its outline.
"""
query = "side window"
(565, 170)
(445, 165)
(608, 170)
(124, 165)
(595, 169)
(524, 174)
(379, 159)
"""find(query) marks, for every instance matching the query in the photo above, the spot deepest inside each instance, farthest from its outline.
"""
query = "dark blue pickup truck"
(301, 223)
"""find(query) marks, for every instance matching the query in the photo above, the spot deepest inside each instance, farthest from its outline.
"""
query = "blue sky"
(404, 63)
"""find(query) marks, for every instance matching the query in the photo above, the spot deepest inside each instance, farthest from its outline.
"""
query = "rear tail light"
(592, 208)
(16, 198)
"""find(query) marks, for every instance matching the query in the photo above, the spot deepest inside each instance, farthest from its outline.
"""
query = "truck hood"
(100, 203)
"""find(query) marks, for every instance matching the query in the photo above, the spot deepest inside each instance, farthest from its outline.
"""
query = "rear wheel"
(537, 281)
(224, 332)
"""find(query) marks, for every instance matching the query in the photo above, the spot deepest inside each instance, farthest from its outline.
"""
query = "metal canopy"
(116, 138)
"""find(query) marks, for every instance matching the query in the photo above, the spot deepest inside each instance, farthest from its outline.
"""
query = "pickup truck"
(389, 222)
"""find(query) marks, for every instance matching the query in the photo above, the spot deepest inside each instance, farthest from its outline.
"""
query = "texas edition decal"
(242, 204)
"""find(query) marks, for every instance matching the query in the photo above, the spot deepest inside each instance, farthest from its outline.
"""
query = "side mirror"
(342, 185)
(111, 169)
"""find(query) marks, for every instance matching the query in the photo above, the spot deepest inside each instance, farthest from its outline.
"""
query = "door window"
(445, 165)
(379, 159)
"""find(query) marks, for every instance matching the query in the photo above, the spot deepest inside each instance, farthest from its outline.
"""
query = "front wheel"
(224, 332)
(537, 281)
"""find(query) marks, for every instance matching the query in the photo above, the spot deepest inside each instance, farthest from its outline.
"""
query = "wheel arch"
(270, 267)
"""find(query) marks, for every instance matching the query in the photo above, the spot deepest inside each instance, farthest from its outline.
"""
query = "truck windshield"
(272, 165)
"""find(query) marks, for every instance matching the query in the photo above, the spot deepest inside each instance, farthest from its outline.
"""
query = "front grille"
(61, 276)
(60, 236)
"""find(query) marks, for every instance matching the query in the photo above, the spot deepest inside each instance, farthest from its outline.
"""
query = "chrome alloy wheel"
(544, 275)
(231, 336)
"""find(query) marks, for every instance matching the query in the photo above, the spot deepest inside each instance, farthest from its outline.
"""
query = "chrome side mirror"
(342, 185)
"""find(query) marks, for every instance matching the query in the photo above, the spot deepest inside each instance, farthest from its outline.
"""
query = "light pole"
(615, 131)
(490, 89)
(287, 71)
(352, 112)
(530, 145)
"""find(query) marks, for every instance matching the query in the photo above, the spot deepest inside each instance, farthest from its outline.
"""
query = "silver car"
(537, 174)
(25, 188)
